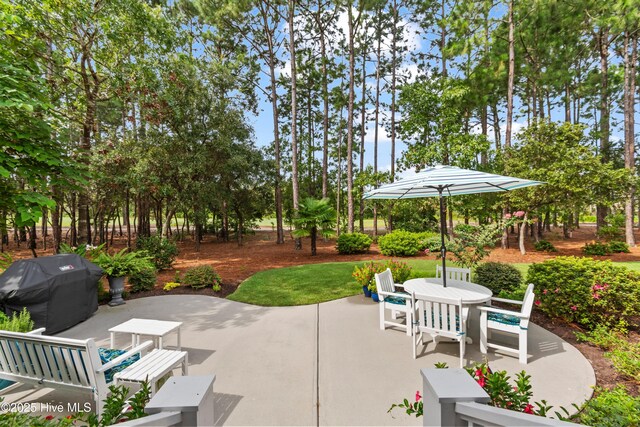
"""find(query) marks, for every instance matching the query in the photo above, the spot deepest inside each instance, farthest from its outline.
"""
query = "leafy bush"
(431, 244)
(201, 277)
(612, 230)
(586, 291)
(618, 247)
(464, 228)
(611, 408)
(143, 280)
(18, 322)
(353, 243)
(544, 246)
(624, 355)
(123, 263)
(162, 251)
(498, 276)
(596, 249)
(399, 243)
(365, 275)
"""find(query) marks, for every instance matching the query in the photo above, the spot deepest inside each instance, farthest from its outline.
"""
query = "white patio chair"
(390, 299)
(439, 317)
(512, 322)
(454, 273)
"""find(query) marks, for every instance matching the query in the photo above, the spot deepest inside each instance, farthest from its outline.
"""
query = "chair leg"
(483, 332)
(462, 350)
(409, 319)
(523, 346)
(382, 326)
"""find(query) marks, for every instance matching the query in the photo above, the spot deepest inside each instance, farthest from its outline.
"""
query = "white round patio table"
(469, 293)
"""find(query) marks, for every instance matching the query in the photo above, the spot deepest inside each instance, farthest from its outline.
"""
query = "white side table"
(154, 328)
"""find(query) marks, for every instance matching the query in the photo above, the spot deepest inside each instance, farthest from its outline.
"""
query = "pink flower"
(515, 389)
(596, 295)
(418, 397)
(528, 409)
(48, 417)
(538, 302)
(557, 290)
(544, 292)
(482, 382)
(479, 373)
(519, 214)
(574, 307)
(426, 251)
(507, 216)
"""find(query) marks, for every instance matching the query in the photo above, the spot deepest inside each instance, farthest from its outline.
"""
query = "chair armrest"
(38, 331)
(509, 301)
(128, 354)
(394, 294)
(485, 308)
(399, 285)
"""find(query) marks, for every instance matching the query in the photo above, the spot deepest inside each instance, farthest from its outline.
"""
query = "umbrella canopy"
(439, 181)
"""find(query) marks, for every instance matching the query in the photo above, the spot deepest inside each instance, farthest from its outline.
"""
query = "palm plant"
(314, 216)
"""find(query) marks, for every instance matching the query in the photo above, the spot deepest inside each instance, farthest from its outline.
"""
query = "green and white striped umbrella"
(439, 181)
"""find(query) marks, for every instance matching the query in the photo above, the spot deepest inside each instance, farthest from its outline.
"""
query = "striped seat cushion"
(504, 319)
(396, 300)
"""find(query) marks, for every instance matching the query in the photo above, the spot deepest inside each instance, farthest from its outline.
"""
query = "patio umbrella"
(439, 181)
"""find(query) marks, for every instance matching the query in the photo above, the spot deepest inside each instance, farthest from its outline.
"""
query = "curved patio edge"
(326, 364)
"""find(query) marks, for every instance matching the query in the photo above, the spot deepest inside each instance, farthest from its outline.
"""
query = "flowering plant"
(515, 397)
(411, 408)
(365, 275)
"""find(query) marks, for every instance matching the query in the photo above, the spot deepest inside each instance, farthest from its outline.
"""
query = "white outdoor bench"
(61, 363)
(153, 367)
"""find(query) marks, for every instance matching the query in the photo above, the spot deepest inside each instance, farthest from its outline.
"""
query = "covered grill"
(59, 291)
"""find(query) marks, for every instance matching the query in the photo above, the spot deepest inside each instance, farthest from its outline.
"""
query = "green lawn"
(314, 283)
(300, 285)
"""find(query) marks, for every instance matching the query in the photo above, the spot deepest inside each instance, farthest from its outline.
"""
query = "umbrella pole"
(443, 248)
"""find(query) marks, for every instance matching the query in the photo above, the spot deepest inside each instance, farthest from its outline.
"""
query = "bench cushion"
(108, 354)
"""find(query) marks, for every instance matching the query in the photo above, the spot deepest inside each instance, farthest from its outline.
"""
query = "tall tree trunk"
(350, 114)
(126, 214)
(294, 118)
(271, 60)
(630, 61)
(363, 112)
(377, 123)
(325, 106)
(510, 75)
(605, 148)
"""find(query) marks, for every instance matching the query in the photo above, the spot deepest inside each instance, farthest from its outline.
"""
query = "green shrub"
(18, 322)
(611, 408)
(612, 230)
(464, 228)
(201, 277)
(143, 280)
(596, 249)
(399, 243)
(498, 276)
(617, 247)
(544, 246)
(353, 243)
(624, 355)
(162, 251)
(365, 275)
(586, 291)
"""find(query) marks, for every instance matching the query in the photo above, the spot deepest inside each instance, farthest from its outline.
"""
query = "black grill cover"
(59, 291)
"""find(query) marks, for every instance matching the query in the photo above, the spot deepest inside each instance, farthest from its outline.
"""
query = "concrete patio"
(324, 364)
